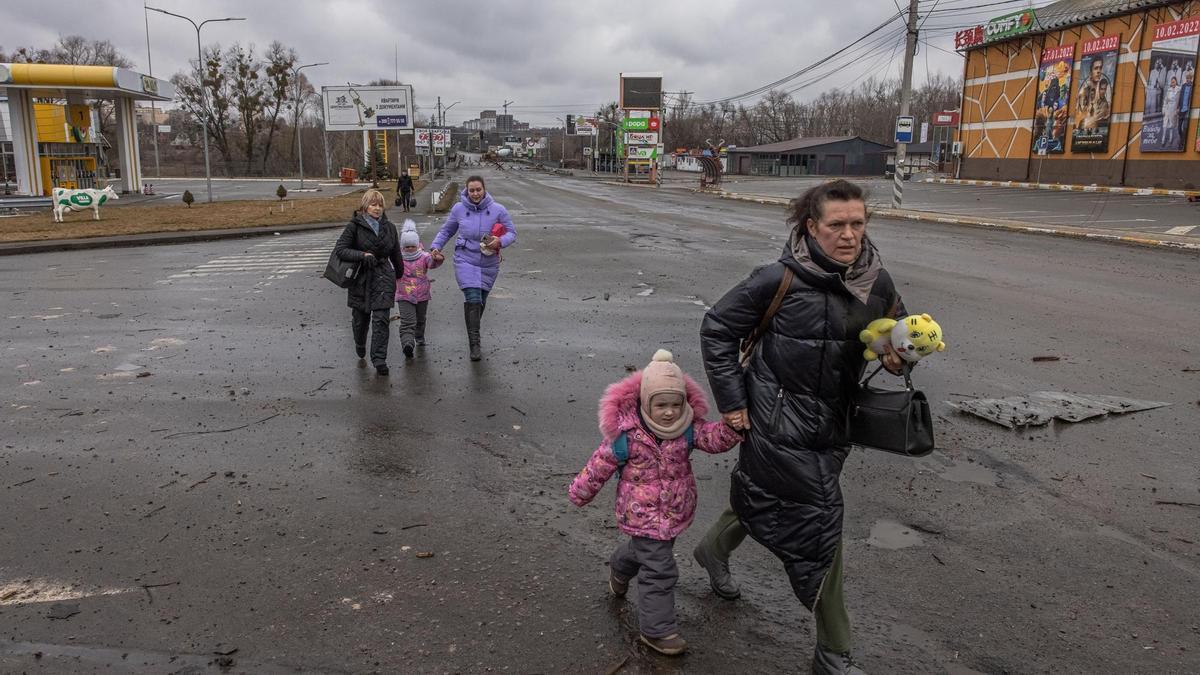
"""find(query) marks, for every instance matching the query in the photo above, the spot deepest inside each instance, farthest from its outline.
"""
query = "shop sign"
(636, 138)
(946, 118)
(971, 37)
(1009, 25)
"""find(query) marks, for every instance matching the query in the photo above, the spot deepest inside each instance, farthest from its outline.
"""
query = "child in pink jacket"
(412, 289)
(650, 421)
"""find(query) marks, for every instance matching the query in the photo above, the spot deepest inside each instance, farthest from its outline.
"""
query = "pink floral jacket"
(413, 286)
(656, 495)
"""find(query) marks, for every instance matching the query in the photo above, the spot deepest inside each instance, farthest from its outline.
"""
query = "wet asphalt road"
(193, 456)
(1103, 211)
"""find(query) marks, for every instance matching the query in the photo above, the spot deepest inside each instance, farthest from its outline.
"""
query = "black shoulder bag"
(341, 272)
(892, 421)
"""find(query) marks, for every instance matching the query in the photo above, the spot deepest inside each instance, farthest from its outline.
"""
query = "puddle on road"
(891, 535)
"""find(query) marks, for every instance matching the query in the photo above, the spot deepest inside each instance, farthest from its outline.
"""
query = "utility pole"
(153, 112)
(910, 50)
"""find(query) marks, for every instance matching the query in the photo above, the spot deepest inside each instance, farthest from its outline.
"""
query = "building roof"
(1066, 13)
(802, 144)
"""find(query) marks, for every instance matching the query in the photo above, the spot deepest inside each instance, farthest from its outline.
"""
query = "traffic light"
(570, 125)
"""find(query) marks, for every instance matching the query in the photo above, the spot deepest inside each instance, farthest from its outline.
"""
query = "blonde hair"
(371, 197)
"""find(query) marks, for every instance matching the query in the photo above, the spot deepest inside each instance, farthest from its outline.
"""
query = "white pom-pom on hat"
(408, 225)
(663, 355)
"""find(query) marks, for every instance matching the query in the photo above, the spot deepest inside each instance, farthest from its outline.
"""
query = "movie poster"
(1169, 86)
(1050, 109)
(1094, 97)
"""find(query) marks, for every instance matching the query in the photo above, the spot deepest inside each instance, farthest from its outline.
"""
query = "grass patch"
(118, 220)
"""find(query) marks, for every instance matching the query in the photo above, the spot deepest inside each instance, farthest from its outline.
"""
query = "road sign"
(904, 129)
(422, 138)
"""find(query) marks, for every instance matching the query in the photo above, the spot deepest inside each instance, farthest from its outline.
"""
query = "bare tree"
(215, 111)
(278, 90)
(248, 95)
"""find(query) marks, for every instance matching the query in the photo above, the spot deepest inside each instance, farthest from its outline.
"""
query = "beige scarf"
(676, 429)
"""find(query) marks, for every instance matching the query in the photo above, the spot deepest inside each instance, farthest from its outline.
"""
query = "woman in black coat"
(371, 239)
(792, 399)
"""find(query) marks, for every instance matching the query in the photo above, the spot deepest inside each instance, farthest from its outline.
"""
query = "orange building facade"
(1012, 129)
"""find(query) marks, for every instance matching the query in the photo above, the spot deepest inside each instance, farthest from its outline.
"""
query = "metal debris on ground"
(63, 610)
(1040, 407)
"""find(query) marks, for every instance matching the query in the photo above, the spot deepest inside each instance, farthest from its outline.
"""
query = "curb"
(154, 239)
(1063, 187)
(1114, 236)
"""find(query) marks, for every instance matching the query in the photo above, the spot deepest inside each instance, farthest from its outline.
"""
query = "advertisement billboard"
(1169, 86)
(585, 125)
(641, 90)
(1093, 99)
(352, 108)
(1054, 90)
(641, 138)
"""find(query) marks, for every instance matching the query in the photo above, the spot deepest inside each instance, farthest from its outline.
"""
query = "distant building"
(504, 123)
(818, 156)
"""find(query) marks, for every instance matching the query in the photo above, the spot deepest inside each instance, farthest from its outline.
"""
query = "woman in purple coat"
(480, 227)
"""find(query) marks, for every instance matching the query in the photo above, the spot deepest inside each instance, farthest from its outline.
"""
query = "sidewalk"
(1063, 187)
(1103, 234)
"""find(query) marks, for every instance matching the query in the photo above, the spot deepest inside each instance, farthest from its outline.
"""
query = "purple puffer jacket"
(471, 223)
(656, 495)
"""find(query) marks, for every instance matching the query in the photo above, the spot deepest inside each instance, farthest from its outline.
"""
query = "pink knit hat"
(662, 376)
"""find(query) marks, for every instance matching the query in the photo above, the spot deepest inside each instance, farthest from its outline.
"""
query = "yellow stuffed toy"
(913, 338)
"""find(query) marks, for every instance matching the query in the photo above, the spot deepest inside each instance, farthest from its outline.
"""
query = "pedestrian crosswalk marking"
(274, 259)
(1182, 229)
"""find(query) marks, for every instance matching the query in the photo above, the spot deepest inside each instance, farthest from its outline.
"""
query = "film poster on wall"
(1169, 86)
(1054, 90)
(1094, 96)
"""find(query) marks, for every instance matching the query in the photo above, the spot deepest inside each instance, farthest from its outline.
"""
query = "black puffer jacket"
(357, 239)
(796, 386)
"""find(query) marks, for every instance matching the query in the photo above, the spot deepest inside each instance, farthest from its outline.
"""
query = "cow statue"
(78, 200)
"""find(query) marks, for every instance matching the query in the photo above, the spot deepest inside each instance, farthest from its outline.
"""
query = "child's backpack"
(620, 445)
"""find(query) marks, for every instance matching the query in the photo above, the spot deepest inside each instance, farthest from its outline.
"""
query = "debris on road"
(63, 610)
(424, 554)
(1046, 359)
(1040, 407)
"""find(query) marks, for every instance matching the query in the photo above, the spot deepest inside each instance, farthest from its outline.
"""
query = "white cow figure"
(78, 200)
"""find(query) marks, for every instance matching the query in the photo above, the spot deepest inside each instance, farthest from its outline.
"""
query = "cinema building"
(1084, 92)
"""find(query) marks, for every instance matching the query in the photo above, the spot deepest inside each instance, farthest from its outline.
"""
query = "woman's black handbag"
(892, 421)
(341, 272)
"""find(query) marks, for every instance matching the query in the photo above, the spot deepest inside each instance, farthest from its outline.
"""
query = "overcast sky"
(561, 57)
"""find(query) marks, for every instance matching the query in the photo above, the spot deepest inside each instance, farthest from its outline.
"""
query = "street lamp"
(446, 110)
(200, 82)
(299, 147)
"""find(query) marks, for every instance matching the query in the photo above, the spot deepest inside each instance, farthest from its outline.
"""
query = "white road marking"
(1182, 229)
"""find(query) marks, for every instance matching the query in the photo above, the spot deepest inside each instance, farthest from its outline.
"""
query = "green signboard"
(636, 124)
(1009, 25)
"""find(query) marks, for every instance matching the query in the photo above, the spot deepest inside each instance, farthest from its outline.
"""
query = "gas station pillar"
(25, 142)
(127, 146)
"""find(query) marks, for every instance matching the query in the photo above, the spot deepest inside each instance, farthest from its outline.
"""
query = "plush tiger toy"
(914, 337)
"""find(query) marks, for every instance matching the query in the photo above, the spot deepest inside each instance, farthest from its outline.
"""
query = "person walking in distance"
(404, 188)
(476, 264)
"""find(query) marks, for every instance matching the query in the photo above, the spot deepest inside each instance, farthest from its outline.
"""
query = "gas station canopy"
(53, 79)
(24, 83)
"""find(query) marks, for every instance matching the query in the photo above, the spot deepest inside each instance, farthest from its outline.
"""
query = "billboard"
(585, 125)
(1169, 86)
(1093, 99)
(352, 108)
(1054, 90)
(641, 90)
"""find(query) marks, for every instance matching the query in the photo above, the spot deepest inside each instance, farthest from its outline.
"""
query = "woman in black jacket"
(370, 238)
(792, 398)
